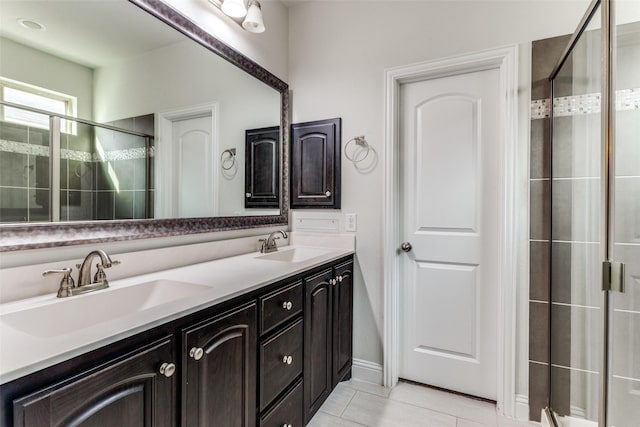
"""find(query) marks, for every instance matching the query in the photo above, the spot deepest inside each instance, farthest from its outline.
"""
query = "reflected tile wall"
(122, 176)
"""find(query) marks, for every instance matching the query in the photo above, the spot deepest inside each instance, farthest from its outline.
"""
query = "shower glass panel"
(24, 169)
(97, 172)
(576, 253)
(624, 378)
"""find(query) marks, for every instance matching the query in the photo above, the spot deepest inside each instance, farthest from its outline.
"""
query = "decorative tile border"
(82, 156)
(626, 99)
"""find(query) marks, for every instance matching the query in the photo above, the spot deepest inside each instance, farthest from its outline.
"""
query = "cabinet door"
(219, 383)
(128, 393)
(317, 342)
(315, 164)
(262, 168)
(342, 321)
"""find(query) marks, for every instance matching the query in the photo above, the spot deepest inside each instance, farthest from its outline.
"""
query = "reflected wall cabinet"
(315, 164)
(262, 171)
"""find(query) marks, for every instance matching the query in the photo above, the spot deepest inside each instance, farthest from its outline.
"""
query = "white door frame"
(164, 173)
(505, 60)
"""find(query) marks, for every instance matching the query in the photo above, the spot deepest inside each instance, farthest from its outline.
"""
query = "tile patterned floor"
(357, 404)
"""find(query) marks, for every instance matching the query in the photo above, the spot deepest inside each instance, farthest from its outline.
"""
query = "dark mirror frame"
(44, 235)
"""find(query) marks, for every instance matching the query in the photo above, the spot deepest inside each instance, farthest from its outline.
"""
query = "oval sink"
(65, 315)
(298, 254)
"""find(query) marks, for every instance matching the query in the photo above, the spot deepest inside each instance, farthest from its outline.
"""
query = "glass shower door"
(624, 320)
(576, 309)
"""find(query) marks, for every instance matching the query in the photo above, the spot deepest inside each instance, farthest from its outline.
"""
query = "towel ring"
(361, 142)
(229, 161)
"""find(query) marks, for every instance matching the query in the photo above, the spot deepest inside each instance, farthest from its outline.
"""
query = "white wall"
(338, 51)
(139, 86)
(267, 49)
(38, 68)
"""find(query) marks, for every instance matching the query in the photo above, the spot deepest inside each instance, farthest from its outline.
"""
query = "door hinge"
(612, 276)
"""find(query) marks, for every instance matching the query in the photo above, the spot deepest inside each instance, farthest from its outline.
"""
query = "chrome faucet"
(100, 278)
(269, 244)
(85, 283)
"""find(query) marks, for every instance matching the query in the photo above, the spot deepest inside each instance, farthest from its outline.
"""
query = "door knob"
(406, 247)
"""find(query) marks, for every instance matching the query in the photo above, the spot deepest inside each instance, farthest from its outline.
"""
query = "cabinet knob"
(333, 282)
(167, 369)
(287, 305)
(247, 195)
(287, 360)
(328, 194)
(287, 425)
(340, 279)
(196, 353)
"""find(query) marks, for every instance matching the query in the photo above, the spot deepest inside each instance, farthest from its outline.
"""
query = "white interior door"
(194, 166)
(450, 210)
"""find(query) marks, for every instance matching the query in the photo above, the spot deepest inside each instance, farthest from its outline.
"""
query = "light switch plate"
(350, 222)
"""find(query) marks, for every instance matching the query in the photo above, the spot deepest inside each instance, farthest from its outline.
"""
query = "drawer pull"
(287, 360)
(287, 305)
(167, 369)
(196, 353)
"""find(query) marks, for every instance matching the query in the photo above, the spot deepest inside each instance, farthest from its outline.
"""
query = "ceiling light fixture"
(234, 8)
(247, 13)
(253, 21)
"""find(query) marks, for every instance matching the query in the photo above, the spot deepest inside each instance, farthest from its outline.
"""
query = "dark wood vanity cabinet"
(219, 379)
(127, 391)
(268, 358)
(328, 333)
(262, 168)
(315, 164)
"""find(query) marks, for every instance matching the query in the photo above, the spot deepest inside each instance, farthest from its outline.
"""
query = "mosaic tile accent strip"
(626, 99)
(83, 156)
(128, 154)
(23, 148)
(540, 108)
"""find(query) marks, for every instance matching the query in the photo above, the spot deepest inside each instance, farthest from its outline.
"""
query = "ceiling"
(93, 33)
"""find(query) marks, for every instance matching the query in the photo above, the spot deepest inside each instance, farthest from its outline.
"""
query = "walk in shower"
(58, 168)
(595, 222)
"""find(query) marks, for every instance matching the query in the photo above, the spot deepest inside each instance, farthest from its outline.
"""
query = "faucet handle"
(66, 283)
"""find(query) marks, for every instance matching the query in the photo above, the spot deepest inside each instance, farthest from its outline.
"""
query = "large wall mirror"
(122, 119)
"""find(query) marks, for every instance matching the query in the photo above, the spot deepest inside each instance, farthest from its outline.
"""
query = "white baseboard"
(364, 370)
(522, 407)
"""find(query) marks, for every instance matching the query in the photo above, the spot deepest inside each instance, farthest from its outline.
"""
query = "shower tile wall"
(90, 187)
(24, 173)
(545, 55)
(122, 179)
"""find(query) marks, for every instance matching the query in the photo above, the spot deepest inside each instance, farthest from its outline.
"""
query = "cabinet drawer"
(280, 306)
(280, 362)
(287, 411)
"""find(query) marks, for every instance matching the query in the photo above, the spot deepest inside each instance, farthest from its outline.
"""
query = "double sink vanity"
(258, 339)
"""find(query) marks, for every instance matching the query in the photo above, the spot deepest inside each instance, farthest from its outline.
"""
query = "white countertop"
(22, 353)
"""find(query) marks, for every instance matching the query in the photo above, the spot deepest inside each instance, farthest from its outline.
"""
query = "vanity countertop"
(23, 352)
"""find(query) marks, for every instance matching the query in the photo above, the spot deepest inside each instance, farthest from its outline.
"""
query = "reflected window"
(38, 98)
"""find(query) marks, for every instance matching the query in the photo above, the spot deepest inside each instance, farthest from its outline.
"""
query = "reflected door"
(194, 167)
